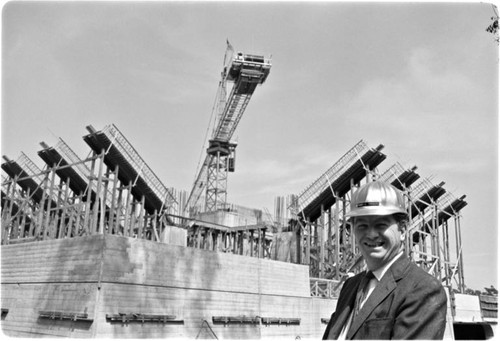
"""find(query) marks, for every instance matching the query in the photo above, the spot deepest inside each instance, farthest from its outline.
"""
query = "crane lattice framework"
(246, 71)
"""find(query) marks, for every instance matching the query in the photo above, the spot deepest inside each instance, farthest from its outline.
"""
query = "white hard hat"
(377, 198)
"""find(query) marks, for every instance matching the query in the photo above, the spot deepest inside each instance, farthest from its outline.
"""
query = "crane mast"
(246, 72)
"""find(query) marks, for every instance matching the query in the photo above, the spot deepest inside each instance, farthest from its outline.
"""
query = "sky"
(419, 78)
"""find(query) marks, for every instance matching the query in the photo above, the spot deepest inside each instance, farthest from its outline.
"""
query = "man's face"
(379, 239)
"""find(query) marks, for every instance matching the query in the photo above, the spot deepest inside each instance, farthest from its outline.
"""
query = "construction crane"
(246, 72)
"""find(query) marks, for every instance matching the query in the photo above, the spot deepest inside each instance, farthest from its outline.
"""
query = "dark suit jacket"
(407, 303)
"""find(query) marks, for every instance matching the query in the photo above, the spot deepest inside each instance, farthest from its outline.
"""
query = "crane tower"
(246, 71)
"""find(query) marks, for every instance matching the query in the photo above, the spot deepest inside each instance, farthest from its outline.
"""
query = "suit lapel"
(381, 291)
(344, 308)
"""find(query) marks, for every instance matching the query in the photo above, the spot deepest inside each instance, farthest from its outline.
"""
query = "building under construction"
(99, 246)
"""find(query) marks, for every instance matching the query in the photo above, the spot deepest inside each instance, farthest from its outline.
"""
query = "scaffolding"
(400, 178)
(26, 194)
(121, 156)
(26, 174)
(430, 236)
(113, 191)
(61, 156)
(324, 238)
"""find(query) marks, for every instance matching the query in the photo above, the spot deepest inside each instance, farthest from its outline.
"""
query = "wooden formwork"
(112, 209)
(121, 193)
(326, 243)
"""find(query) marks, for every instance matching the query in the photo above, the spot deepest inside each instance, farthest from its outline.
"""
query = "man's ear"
(403, 234)
(403, 226)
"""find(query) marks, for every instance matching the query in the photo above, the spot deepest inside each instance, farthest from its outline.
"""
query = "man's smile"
(373, 244)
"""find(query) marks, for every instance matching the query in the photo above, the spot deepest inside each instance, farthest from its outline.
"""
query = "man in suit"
(394, 298)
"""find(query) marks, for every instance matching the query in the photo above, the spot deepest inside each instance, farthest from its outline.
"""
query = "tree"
(491, 291)
(493, 27)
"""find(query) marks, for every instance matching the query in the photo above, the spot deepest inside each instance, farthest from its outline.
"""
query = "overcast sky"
(420, 78)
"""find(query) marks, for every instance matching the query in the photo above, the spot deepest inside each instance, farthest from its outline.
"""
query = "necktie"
(363, 290)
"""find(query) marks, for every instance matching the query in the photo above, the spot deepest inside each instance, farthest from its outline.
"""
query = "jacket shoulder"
(419, 276)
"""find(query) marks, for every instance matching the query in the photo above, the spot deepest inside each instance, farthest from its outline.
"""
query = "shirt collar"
(380, 272)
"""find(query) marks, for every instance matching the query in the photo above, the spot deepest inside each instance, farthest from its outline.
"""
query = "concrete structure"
(99, 247)
(120, 287)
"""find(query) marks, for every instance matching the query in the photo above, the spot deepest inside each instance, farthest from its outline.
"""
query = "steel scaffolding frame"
(335, 171)
(109, 207)
(77, 214)
(400, 178)
(120, 155)
(327, 244)
(324, 240)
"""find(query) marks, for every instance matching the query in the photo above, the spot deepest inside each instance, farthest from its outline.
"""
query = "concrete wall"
(231, 219)
(55, 275)
(467, 308)
(26, 300)
(174, 236)
(108, 274)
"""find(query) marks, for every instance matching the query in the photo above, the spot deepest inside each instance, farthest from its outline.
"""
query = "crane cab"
(251, 68)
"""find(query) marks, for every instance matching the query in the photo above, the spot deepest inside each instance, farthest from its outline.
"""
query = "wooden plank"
(133, 218)
(65, 198)
(105, 221)
(113, 223)
(251, 243)
(234, 235)
(24, 223)
(216, 240)
(141, 219)
(88, 201)
(259, 244)
(71, 217)
(337, 238)
(53, 222)
(119, 204)
(127, 224)
(14, 233)
(79, 213)
(7, 213)
(321, 241)
(39, 226)
(308, 243)
(46, 224)
(94, 227)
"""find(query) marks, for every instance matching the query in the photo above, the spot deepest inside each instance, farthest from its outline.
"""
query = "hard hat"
(377, 198)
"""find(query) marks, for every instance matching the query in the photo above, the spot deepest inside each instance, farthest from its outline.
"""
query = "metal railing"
(133, 157)
(328, 177)
(392, 173)
(326, 288)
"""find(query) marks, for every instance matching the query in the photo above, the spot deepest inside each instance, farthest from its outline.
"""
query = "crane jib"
(246, 71)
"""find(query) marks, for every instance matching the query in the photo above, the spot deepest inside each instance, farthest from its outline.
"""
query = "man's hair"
(402, 220)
